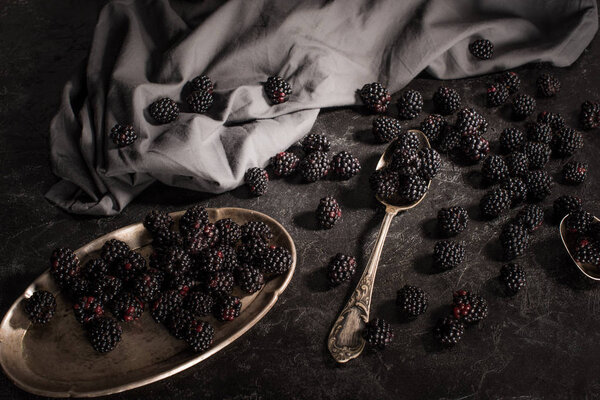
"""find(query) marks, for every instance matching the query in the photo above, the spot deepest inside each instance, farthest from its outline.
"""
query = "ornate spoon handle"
(345, 340)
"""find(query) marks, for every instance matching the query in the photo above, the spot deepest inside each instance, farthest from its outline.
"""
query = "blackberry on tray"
(227, 308)
(199, 303)
(156, 220)
(104, 334)
(126, 307)
(40, 307)
(200, 335)
(87, 309)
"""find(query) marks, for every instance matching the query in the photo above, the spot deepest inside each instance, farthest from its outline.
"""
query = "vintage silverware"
(568, 240)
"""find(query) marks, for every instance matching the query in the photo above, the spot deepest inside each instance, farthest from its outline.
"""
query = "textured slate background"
(543, 343)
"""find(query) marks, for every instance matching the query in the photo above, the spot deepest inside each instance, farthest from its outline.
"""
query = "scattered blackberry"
(412, 189)
(64, 265)
(548, 85)
(539, 185)
(496, 95)
(511, 81)
(566, 142)
(384, 183)
(446, 100)
(513, 277)
(512, 139)
(430, 163)
(275, 260)
(129, 266)
(433, 127)
(410, 104)
(565, 205)
(183, 284)
(146, 287)
(344, 165)
(253, 230)
(123, 135)
(277, 90)
(249, 279)
(468, 307)
(87, 309)
(448, 254)
(193, 220)
(375, 96)
(315, 142)
(341, 268)
(517, 163)
(386, 129)
(202, 82)
(474, 147)
(200, 335)
(587, 252)
(314, 166)
(219, 283)
(590, 115)
(539, 132)
(207, 236)
(494, 169)
(523, 105)
(164, 110)
(257, 180)
(537, 153)
(251, 252)
(514, 240)
(156, 220)
(106, 288)
(95, 269)
(448, 331)
(200, 101)
(230, 258)
(470, 122)
(199, 303)
(179, 322)
(579, 221)
(531, 217)
(555, 120)
(126, 307)
(104, 334)
(450, 140)
(495, 202)
(227, 308)
(229, 232)
(40, 307)
(328, 212)
(482, 49)
(574, 172)
(113, 250)
(166, 303)
(284, 163)
(517, 189)
(378, 333)
(411, 301)
(453, 220)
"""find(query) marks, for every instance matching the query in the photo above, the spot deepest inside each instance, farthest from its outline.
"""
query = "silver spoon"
(345, 340)
(568, 240)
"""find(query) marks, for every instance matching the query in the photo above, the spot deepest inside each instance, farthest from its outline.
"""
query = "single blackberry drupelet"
(256, 230)
(277, 89)
(199, 303)
(565, 205)
(531, 217)
(446, 100)
(474, 147)
(497, 94)
(412, 188)
(64, 265)
(284, 163)
(229, 231)
(385, 183)
(450, 140)
(378, 333)
(314, 166)
(249, 279)
(385, 129)
(227, 308)
(375, 96)
(537, 153)
(40, 307)
(453, 220)
(513, 277)
(523, 105)
(547, 85)
(411, 301)
(275, 260)
(514, 240)
(495, 202)
(147, 286)
(341, 268)
(448, 331)
(156, 220)
(510, 80)
(494, 169)
(539, 132)
(106, 288)
(202, 82)
(470, 122)
(555, 120)
(315, 142)
(344, 165)
(200, 335)
(468, 307)
(517, 163)
(433, 126)
(129, 266)
(200, 101)
(164, 110)
(219, 283)
(257, 181)
(517, 189)
(482, 49)
(193, 220)
(113, 250)
(539, 185)
(574, 172)
(123, 135)
(165, 305)
(448, 254)
(126, 307)
(178, 323)
(579, 221)
(429, 163)
(511, 139)
(87, 309)
(104, 334)
(410, 104)
(589, 116)
(328, 212)
(566, 142)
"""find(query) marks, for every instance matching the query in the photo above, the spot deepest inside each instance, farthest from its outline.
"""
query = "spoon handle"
(345, 341)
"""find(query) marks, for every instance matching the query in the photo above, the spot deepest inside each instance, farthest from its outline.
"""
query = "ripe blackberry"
(448, 331)
(328, 212)
(207, 236)
(429, 163)
(344, 165)
(113, 250)
(450, 140)
(275, 260)
(165, 305)
(126, 307)
(537, 153)
(446, 100)
(341, 268)
(555, 120)
(404, 161)
(95, 268)
(565, 205)
(590, 115)
(193, 220)
(494, 169)
(129, 266)
(408, 140)
(254, 230)
(510, 80)
(566, 142)
(227, 308)
(229, 231)
(468, 307)
(179, 322)
(106, 288)
(175, 261)
(474, 147)
(200, 101)
(539, 185)
(385, 183)
(257, 180)
(183, 284)
(219, 283)
(385, 129)
(200, 336)
(104, 334)
(202, 82)
(587, 252)
(517, 163)
(512, 139)
(497, 95)
(433, 127)
(77, 286)
(156, 220)
(87, 309)
(284, 163)
(448, 254)
(579, 221)
(64, 265)
(375, 96)
(470, 122)
(164, 110)
(164, 239)
(548, 85)
(539, 132)
(574, 172)
(410, 104)
(412, 189)
(411, 301)
(517, 189)
(199, 303)
(495, 202)
(249, 279)
(123, 135)
(314, 166)
(513, 277)
(378, 333)
(453, 220)
(531, 217)
(523, 105)
(147, 286)
(277, 89)
(514, 240)
(251, 252)
(482, 49)
(230, 258)
(315, 142)
(40, 307)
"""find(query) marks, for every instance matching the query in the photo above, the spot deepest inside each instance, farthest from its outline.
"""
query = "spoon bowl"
(569, 240)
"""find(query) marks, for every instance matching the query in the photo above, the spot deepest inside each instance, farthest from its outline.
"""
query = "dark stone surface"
(544, 343)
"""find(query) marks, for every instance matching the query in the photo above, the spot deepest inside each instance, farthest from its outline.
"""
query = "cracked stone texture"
(541, 344)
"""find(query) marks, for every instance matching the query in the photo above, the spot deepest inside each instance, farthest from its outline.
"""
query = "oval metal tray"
(56, 360)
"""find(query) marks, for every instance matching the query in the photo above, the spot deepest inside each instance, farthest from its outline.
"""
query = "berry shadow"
(423, 264)
(306, 220)
(158, 194)
(317, 281)
(241, 193)
(475, 213)
(494, 287)
(493, 250)
(356, 199)
(430, 344)
(474, 179)
(430, 229)
(387, 311)
(365, 136)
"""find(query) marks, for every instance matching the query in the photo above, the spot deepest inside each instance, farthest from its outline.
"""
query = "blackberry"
(202, 82)
(523, 105)
(193, 220)
(166, 303)
(495, 202)
(469, 307)
(254, 230)
(249, 279)
(341, 268)
(448, 254)
(251, 252)
(87, 309)
(146, 287)
(510, 80)
(385, 183)
(104, 334)
(565, 205)
(470, 122)
(482, 49)
(496, 95)
(433, 127)
(178, 323)
(517, 189)
(430, 163)
(123, 135)
(375, 96)
(412, 189)
(344, 165)
(548, 85)
(446, 100)
(512, 139)
(453, 220)
(284, 163)
(448, 331)
(385, 129)
(555, 120)
(315, 142)
(230, 258)
(574, 172)
(517, 163)
(106, 288)
(411, 301)
(227, 308)
(113, 250)
(314, 166)
(164, 110)
(587, 252)
(579, 221)
(77, 286)
(181, 283)
(164, 239)
(531, 217)
(257, 180)
(539, 132)
(129, 266)
(514, 240)
(404, 161)
(277, 89)
(537, 153)
(513, 277)
(566, 142)
(219, 283)
(408, 140)
(275, 260)
(590, 115)
(539, 185)
(207, 236)
(410, 104)
(64, 265)
(200, 335)
(328, 212)
(175, 261)
(156, 220)
(40, 307)
(199, 303)
(474, 147)
(378, 333)
(126, 307)
(95, 269)
(450, 140)
(494, 169)
(229, 231)
(200, 101)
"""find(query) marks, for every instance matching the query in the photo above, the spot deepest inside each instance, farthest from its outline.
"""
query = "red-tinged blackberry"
(113, 250)
(514, 240)
(106, 288)
(548, 85)
(450, 140)
(341, 268)
(531, 217)
(104, 334)
(537, 153)
(429, 163)
(207, 236)
(129, 266)
(510, 80)
(156, 220)
(219, 283)
(64, 265)
(95, 268)
(494, 169)
(378, 333)
(482, 49)
(251, 252)
(574, 172)
(314, 166)
(590, 115)
(523, 105)
(202, 82)
(165, 305)
(453, 220)
(229, 231)
(181, 283)
(497, 94)
(230, 258)
(175, 261)
(227, 308)
(375, 96)
(344, 165)
(164, 110)
(40, 307)
(164, 239)
(126, 307)
(123, 135)
(539, 185)
(179, 322)
(193, 220)
(257, 181)
(468, 307)
(210, 260)
(253, 230)
(448, 254)
(513, 277)
(277, 89)
(284, 163)
(147, 286)
(200, 336)
(469, 122)
(579, 221)
(77, 286)
(328, 212)
(412, 188)
(448, 331)
(517, 189)
(87, 309)
(495, 202)
(249, 279)
(517, 163)
(587, 252)
(275, 260)
(200, 101)
(512, 139)
(315, 142)
(474, 147)
(386, 129)
(446, 100)
(410, 104)
(411, 301)
(199, 303)
(539, 132)
(566, 142)
(555, 120)
(565, 205)
(433, 127)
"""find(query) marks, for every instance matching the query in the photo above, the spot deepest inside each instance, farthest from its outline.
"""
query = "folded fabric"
(147, 49)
